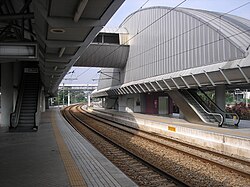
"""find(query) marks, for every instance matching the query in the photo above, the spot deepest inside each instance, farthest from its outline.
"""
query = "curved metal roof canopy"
(181, 48)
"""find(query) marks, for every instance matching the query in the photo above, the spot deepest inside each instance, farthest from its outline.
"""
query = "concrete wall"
(111, 103)
(132, 103)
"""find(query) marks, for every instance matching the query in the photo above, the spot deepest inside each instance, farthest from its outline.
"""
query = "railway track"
(141, 172)
(194, 166)
(237, 165)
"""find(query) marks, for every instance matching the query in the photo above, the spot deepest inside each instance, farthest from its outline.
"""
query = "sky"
(85, 75)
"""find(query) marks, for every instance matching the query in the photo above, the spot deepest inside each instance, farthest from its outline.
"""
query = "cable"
(84, 72)
(92, 78)
(155, 21)
(177, 35)
(141, 30)
(233, 35)
(140, 15)
(218, 17)
(94, 52)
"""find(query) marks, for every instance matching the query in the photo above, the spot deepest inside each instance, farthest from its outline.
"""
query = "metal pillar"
(63, 94)
(6, 93)
(103, 102)
(46, 102)
(220, 97)
(68, 97)
(88, 99)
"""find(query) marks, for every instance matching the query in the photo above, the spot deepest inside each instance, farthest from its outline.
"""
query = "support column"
(6, 93)
(220, 96)
(68, 97)
(88, 99)
(103, 102)
(46, 102)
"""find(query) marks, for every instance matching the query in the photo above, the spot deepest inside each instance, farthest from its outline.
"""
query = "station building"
(159, 58)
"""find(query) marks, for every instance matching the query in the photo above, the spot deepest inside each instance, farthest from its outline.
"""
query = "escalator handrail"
(209, 113)
(16, 113)
(37, 112)
(225, 113)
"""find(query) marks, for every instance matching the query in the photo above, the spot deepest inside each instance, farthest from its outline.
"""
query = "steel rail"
(129, 129)
(125, 150)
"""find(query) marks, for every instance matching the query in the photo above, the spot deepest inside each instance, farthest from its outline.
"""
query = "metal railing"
(37, 113)
(14, 116)
(230, 118)
(217, 116)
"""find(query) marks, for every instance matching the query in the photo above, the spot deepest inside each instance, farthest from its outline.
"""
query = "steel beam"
(132, 88)
(153, 86)
(187, 85)
(228, 81)
(137, 88)
(244, 75)
(197, 82)
(147, 87)
(211, 81)
(17, 16)
(159, 85)
(142, 88)
(177, 86)
(166, 84)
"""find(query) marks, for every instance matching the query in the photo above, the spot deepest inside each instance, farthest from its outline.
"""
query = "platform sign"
(170, 128)
(30, 70)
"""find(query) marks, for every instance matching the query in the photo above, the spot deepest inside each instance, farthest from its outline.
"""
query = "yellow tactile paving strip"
(74, 174)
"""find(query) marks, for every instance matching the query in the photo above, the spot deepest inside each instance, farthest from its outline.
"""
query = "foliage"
(241, 109)
(76, 96)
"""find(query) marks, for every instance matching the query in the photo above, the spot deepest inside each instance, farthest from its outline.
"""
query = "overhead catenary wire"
(139, 31)
(100, 45)
(84, 72)
(204, 23)
(197, 47)
(218, 17)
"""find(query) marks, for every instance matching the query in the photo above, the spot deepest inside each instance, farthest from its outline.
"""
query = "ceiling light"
(57, 30)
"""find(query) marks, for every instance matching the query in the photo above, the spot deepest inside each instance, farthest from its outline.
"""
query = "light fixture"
(57, 30)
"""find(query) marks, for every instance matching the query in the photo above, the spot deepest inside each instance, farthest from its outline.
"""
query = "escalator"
(24, 116)
(196, 110)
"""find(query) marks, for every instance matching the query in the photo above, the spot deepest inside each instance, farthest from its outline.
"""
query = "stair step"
(27, 102)
(28, 105)
(28, 115)
(27, 111)
(26, 121)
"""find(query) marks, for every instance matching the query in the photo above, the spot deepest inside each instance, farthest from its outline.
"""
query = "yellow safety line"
(71, 168)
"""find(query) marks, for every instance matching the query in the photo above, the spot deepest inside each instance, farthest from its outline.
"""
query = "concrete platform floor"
(243, 130)
(55, 155)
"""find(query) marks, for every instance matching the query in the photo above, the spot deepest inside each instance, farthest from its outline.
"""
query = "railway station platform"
(229, 140)
(55, 155)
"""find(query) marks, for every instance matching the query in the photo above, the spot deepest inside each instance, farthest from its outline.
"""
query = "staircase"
(23, 119)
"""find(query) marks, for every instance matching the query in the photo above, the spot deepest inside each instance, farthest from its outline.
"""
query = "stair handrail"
(209, 113)
(14, 116)
(224, 112)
